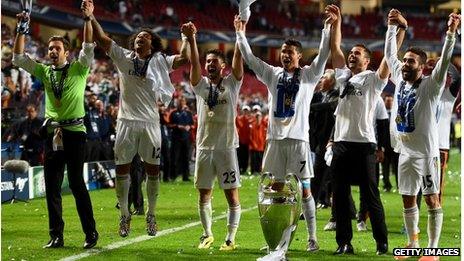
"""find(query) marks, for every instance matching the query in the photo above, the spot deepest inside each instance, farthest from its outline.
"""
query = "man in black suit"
(321, 120)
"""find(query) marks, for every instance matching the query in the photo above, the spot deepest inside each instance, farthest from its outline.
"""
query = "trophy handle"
(266, 180)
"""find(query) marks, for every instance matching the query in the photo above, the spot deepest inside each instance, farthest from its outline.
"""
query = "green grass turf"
(24, 227)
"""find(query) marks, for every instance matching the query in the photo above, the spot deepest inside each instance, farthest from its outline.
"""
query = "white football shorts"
(417, 173)
(282, 157)
(137, 137)
(222, 164)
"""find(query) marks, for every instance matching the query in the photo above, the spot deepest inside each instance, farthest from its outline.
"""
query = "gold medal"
(210, 114)
(398, 119)
(57, 103)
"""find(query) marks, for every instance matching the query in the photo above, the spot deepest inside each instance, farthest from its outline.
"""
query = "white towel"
(158, 71)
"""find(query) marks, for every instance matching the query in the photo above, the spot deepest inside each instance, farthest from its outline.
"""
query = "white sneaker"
(244, 9)
(361, 226)
(331, 226)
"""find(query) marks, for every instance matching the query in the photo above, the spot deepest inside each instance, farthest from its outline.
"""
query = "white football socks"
(411, 222)
(309, 212)
(206, 216)
(434, 223)
(122, 193)
(233, 220)
(153, 184)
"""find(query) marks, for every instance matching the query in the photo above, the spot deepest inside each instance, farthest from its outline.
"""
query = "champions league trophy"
(23, 25)
(279, 205)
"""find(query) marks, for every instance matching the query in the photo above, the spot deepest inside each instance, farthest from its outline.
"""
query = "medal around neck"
(210, 113)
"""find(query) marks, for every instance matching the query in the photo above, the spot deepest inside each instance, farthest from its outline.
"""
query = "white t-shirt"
(139, 94)
(219, 131)
(355, 112)
(418, 129)
(444, 113)
(288, 114)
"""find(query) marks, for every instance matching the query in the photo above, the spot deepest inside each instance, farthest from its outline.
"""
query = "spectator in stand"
(258, 129)
(92, 124)
(27, 133)
(165, 143)
(181, 121)
(107, 132)
(243, 127)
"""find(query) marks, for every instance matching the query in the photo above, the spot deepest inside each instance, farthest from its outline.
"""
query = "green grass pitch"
(24, 227)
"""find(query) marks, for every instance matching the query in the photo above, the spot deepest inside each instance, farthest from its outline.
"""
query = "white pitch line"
(131, 241)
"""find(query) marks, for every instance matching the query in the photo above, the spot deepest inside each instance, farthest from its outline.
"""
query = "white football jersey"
(288, 110)
(354, 116)
(139, 95)
(416, 121)
(444, 113)
(216, 129)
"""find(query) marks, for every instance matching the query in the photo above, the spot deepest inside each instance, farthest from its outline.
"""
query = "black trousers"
(390, 161)
(243, 155)
(166, 159)
(92, 150)
(321, 183)
(256, 160)
(354, 163)
(180, 158)
(73, 157)
(137, 174)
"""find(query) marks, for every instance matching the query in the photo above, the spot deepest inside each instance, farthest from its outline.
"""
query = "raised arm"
(439, 72)
(19, 59)
(18, 47)
(258, 66)
(86, 55)
(338, 58)
(100, 37)
(394, 17)
(237, 62)
(391, 51)
(189, 30)
(183, 57)
(317, 66)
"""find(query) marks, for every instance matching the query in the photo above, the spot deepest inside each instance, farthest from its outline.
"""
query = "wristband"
(87, 18)
(404, 27)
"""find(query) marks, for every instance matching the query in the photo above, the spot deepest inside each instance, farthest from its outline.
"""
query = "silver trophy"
(279, 205)
(23, 24)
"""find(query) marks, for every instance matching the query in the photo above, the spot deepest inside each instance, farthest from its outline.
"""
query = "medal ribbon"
(404, 97)
(141, 72)
(58, 87)
(213, 95)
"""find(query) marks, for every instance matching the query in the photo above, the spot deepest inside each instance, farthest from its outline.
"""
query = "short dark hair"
(294, 42)
(65, 42)
(367, 52)
(218, 53)
(420, 52)
(156, 45)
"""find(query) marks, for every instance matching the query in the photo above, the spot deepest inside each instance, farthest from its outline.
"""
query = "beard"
(409, 75)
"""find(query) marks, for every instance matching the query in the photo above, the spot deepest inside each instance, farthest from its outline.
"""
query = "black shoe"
(91, 240)
(382, 248)
(344, 249)
(302, 216)
(55, 242)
